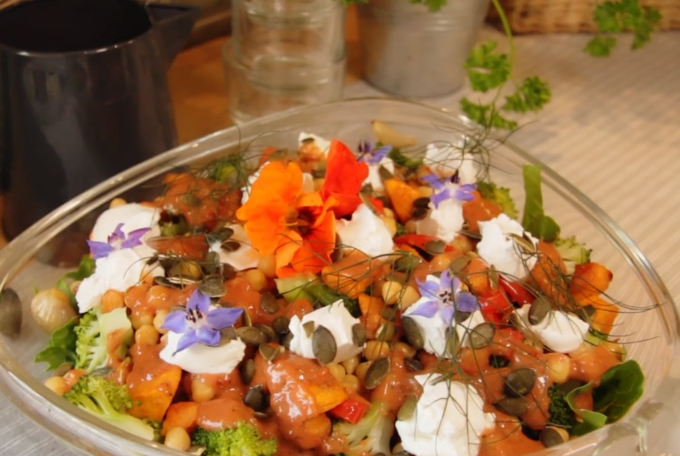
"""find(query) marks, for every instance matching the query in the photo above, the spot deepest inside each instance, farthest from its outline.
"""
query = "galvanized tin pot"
(410, 51)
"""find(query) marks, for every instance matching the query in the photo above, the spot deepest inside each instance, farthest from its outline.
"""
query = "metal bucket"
(410, 51)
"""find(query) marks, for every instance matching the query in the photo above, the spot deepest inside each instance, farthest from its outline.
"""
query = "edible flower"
(445, 296)
(117, 241)
(198, 324)
(444, 191)
(345, 176)
(372, 156)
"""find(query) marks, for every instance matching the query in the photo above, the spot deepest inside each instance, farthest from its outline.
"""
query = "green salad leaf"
(85, 269)
(499, 195)
(534, 219)
(400, 159)
(61, 348)
(620, 387)
(486, 67)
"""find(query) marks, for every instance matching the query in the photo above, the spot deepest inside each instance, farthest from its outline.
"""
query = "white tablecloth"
(612, 129)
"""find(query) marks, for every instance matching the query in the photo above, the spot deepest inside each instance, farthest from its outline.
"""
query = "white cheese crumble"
(445, 220)
(323, 144)
(245, 191)
(445, 159)
(498, 249)
(245, 257)
(374, 174)
(121, 269)
(365, 232)
(448, 420)
(307, 183)
(561, 332)
(337, 319)
(203, 359)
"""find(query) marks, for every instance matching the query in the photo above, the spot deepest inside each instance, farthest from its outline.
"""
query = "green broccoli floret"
(499, 195)
(572, 252)
(560, 412)
(371, 434)
(92, 333)
(243, 440)
(306, 286)
(108, 401)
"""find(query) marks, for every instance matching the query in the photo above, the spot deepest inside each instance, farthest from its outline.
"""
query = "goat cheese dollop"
(337, 319)
(323, 144)
(561, 332)
(203, 359)
(446, 159)
(448, 420)
(123, 268)
(498, 249)
(374, 174)
(365, 232)
(445, 219)
(245, 257)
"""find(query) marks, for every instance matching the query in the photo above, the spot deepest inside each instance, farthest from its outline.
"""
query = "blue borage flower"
(198, 324)
(372, 156)
(445, 296)
(117, 241)
(443, 191)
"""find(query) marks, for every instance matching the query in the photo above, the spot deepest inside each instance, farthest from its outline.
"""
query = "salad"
(340, 299)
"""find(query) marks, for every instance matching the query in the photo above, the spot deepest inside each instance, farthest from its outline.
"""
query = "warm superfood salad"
(338, 301)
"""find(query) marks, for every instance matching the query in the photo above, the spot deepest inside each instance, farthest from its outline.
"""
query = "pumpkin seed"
(153, 260)
(101, 372)
(228, 333)
(251, 335)
(519, 382)
(186, 270)
(386, 332)
(212, 262)
(228, 271)
(338, 252)
(412, 333)
(587, 312)
(324, 346)
(11, 313)
(181, 281)
(230, 246)
(377, 372)
(435, 247)
(280, 325)
(309, 328)
(285, 340)
(247, 371)
(388, 312)
(245, 319)
(423, 201)
(419, 213)
(190, 199)
(255, 398)
(359, 335)
(482, 335)
(459, 264)
(268, 332)
(407, 263)
(164, 282)
(539, 310)
(552, 436)
(269, 303)
(452, 341)
(407, 409)
(224, 233)
(384, 173)
(461, 316)
(493, 277)
(413, 365)
(513, 406)
(268, 352)
(213, 286)
(524, 244)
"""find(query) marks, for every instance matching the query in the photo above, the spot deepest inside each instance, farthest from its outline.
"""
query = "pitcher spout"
(172, 26)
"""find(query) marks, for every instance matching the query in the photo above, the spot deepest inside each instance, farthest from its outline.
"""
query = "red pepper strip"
(419, 241)
(496, 306)
(352, 409)
(516, 292)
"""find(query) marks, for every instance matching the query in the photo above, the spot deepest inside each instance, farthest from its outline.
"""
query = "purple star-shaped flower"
(445, 189)
(198, 324)
(371, 156)
(444, 296)
(117, 241)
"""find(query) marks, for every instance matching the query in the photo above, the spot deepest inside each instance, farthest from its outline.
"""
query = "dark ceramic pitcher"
(83, 96)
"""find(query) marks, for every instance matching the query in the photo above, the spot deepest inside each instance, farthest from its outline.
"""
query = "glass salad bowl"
(42, 254)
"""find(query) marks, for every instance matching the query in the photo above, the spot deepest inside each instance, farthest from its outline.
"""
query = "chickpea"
(256, 278)
(146, 335)
(558, 367)
(57, 384)
(201, 390)
(159, 320)
(351, 383)
(178, 439)
(117, 202)
(391, 291)
(375, 349)
(406, 349)
(351, 364)
(267, 265)
(408, 297)
(361, 369)
(141, 316)
(337, 371)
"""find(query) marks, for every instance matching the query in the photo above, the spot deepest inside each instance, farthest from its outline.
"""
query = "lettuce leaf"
(61, 348)
(534, 219)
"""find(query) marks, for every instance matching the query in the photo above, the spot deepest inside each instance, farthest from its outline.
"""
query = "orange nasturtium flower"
(298, 228)
(344, 178)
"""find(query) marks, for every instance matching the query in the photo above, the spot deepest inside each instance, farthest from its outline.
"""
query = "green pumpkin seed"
(452, 341)
(386, 332)
(587, 312)
(324, 346)
(461, 316)
(435, 247)
(407, 410)
(309, 328)
(286, 339)
(525, 245)
(281, 324)
(269, 303)
(228, 333)
(389, 312)
(255, 398)
(384, 173)
(459, 264)
(230, 246)
(190, 199)
(513, 406)
(245, 319)
(540, 309)
(358, 335)
(419, 213)
(377, 372)
(407, 263)
(268, 332)
(519, 382)
(213, 287)
(102, 372)
(251, 335)
(228, 271)
(412, 333)
(269, 352)
(224, 233)
(247, 371)
(423, 201)
(413, 365)
(338, 252)
(493, 277)
(552, 436)
(212, 263)
(482, 335)
(186, 270)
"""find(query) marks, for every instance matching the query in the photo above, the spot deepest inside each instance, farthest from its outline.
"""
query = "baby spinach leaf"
(534, 219)
(61, 348)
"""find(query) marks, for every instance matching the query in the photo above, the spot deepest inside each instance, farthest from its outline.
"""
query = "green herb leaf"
(85, 269)
(400, 159)
(499, 195)
(532, 95)
(61, 348)
(590, 420)
(600, 46)
(486, 115)
(486, 68)
(534, 219)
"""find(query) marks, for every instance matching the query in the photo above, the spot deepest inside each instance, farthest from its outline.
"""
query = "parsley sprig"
(622, 16)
